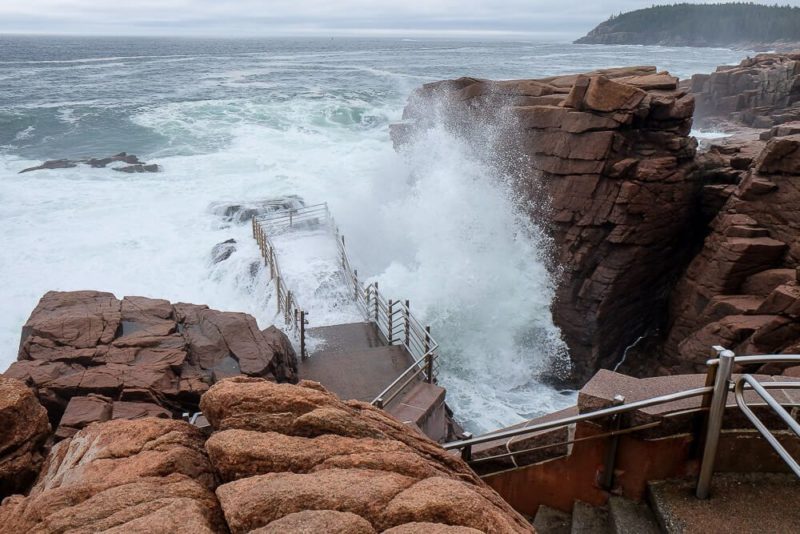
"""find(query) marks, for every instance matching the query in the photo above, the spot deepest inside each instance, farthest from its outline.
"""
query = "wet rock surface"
(282, 458)
(133, 165)
(243, 212)
(24, 431)
(606, 160)
(138, 350)
(150, 475)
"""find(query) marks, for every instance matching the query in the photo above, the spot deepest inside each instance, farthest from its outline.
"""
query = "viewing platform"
(384, 356)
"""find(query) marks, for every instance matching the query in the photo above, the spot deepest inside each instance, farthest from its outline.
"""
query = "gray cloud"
(564, 19)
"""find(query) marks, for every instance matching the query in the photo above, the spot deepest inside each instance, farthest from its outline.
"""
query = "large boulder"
(150, 475)
(298, 457)
(140, 350)
(25, 430)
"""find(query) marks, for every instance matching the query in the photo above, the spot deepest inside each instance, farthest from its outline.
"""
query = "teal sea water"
(239, 120)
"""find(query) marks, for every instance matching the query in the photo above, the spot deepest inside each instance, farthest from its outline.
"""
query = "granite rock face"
(606, 160)
(139, 350)
(150, 475)
(761, 92)
(24, 430)
(297, 457)
(283, 458)
(741, 291)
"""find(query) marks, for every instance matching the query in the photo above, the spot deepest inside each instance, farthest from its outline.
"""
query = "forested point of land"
(700, 25)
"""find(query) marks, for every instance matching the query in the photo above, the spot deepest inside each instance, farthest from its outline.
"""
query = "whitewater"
(246, 120)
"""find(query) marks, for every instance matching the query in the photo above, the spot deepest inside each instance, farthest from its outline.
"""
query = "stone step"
(739, 502)
(356, 374)
(551, 521)
(422, 404)
(628, 517)
(587, 519)
(347, 337)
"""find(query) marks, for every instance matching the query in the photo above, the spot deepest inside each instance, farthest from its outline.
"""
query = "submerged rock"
(130, 169)
(243, 212)
(52, 164)
(223, 251)
(134, 165)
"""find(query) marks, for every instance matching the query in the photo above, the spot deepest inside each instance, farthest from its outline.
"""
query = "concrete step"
(422, 404)
(628, 517)
(551, 521)
(587, 519)
(356, 374)
(739, 502)
(347, 337)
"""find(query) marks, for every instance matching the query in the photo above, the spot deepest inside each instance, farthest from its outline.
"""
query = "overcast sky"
(563, 19)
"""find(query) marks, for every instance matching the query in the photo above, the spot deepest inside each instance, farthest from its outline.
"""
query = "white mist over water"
(434, 224)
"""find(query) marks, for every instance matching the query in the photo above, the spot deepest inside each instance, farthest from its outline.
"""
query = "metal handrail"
(750, 380)
(714, 393)
(393, 319)
(294, 316)
(566, 421)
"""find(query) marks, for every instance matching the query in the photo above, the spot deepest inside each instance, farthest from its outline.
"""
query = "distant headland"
(734, 25)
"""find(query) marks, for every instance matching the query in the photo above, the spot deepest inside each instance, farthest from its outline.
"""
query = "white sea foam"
(434, 225)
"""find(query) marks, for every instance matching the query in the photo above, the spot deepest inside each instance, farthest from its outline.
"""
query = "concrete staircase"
(620, 516)
(354, 362)
(741, 502)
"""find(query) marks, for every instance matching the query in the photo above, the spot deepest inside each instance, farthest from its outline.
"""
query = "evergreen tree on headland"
(700, 25)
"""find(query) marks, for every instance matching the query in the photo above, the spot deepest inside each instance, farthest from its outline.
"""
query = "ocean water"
(243, 120)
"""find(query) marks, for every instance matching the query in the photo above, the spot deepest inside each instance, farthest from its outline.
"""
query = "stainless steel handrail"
(714, 393)
(565, 421)
(758, 388)
(393, 319)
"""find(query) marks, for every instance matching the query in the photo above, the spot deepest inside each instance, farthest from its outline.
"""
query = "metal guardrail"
(715, 396)
(750, 380)
(393, 318)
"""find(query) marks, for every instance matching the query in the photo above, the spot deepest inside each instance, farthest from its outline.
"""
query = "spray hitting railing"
(393, 318)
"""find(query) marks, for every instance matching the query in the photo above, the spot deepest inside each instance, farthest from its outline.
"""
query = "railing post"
(375, 293)
(607, 481)
(429, 367)
(379, 403)
(466, 452)
(391, 326)
(427, 342)
(407, 325)
(429, 361)
(303, 354)
(278, 292)
(714, 424)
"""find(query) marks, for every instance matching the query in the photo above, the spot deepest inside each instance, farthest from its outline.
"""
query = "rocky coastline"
(661, 249)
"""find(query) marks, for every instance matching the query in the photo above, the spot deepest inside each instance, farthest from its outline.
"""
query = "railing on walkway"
(393, 318)
(715, 396)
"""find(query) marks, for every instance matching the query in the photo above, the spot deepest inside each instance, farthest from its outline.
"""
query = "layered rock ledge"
(606, 159)
(92, 357)
(282, 458)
